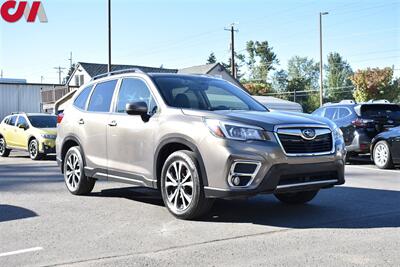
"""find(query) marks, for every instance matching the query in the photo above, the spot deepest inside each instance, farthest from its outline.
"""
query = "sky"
(179, 33)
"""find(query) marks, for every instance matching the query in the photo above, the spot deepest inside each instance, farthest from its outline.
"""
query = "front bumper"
(48, 146)
(277, 172)
(360, 144)
(285, 177)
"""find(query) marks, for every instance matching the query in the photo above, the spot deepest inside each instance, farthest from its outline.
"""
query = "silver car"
(194, 138)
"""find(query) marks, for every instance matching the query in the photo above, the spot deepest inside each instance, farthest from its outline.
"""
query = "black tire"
(297, 197)
(74, 176)
(179, 206)
(33, 149)
(349, 156)
(4, 152)
(382, 155)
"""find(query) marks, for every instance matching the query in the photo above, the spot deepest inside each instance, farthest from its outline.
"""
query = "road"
(41, 224)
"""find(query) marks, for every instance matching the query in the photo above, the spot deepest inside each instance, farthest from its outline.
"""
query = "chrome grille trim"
(295, 130)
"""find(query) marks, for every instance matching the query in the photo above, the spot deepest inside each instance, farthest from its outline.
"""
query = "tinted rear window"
(100, 100)
(43, 121)
(80, 101)
(380, 110)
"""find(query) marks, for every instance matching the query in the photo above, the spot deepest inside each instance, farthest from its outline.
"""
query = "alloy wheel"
(33, 150)
(381, 155)
(179, 186)
(2, 146)
(73, 172)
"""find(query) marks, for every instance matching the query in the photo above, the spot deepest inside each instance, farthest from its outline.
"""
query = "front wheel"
(75, 179)
(181, 186)
(4, 152)
(34, 153)
(382, 156)
(297, 197)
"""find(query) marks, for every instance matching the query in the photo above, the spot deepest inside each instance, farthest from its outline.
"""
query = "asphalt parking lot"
(41, 224)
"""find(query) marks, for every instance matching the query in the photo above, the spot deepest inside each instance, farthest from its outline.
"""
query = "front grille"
(293, 144)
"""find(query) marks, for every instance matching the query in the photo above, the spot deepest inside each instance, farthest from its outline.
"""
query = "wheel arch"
(172, 144)
(67, 143)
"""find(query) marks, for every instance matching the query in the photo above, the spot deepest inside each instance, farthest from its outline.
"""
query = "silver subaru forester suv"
(194, 138)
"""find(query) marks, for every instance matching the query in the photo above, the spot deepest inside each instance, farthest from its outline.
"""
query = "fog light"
(236, 180)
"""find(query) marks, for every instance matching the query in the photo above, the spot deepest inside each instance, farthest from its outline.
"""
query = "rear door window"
(80, 101)
(12, 120)
(330, 113)
(101, 98)
(342, 113)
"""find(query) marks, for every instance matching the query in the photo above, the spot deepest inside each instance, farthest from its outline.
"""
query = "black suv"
(360, 122)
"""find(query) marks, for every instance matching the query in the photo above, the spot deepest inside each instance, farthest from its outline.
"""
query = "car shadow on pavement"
(341, 207)
(142, 194)
(11, 213)
(50, 157)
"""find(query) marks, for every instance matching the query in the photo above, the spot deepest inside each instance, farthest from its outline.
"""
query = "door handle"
(81, 121)
(112, 124)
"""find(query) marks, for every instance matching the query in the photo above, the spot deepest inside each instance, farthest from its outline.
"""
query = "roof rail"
(379, 101)
(18, 112)
(137, 70)
(347, 101)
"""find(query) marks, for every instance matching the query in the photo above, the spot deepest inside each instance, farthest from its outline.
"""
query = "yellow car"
(35, 133)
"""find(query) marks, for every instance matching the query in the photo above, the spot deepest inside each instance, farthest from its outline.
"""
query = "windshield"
(43, 121)
(380, 111)
(204, 94)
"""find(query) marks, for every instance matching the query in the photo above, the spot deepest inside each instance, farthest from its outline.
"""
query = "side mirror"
(22, 126)
(136, 108)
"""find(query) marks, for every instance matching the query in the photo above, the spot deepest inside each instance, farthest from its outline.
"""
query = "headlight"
(235, 131)
(49, 136)
(337, 133)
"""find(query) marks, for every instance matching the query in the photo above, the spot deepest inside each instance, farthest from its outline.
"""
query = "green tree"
(303, 74)
(280, 81)
(70, 71)
(375, 84)
(261, 60)
(305, 71)
(338, 84)
(239, 63)
(212, 58)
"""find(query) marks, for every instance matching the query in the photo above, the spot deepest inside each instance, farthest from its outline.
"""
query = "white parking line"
(20, 251)
(373, 169)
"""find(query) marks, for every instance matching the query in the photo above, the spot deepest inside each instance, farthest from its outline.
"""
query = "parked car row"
(371, 127)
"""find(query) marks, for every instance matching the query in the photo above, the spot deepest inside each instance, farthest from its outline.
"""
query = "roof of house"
(94, 69)
(201, 69)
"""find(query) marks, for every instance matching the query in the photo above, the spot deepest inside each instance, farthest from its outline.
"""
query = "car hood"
(264, 119)
(52, 131)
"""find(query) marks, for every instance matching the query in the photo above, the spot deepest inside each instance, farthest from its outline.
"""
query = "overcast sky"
(179, 34)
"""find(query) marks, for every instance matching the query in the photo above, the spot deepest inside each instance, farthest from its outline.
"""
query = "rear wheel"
(382, 156)
(297, 197)
(181, 186)
(74, 176)
(4, 152)
(34, 153)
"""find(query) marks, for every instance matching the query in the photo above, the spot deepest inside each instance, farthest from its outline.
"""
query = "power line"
(60, 71)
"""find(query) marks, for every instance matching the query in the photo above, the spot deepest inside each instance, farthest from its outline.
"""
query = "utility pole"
(1, 74)
(41, 79)
(232, 30)
(59, 70)
(109, 36)
(321, 66)
(70, 60)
